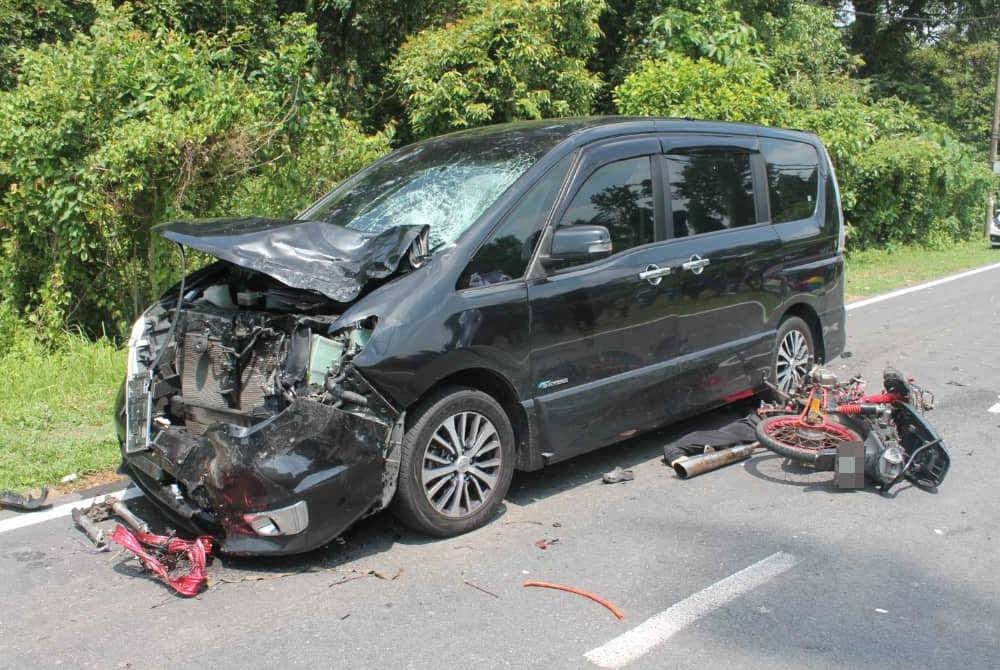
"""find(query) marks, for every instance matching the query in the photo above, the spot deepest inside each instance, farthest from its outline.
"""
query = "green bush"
(119, 129)
(676, 85)
(903, 178)
(522, 59)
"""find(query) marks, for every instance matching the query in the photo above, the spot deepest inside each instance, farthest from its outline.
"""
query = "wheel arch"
(806, 312)
(497, 387)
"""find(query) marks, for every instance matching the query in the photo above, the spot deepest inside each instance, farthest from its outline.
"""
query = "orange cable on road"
(580, 592)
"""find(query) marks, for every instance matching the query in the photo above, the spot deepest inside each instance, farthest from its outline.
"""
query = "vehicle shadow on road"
(379, 533)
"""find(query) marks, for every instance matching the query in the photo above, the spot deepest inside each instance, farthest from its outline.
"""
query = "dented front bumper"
(285, 485)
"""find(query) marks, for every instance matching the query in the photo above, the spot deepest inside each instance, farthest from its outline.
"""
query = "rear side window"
(710, 190)
(792, 179)
(507, 251)
(618, 196)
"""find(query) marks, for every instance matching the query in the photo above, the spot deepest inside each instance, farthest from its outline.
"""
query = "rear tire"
(456, 463)
(793, 349)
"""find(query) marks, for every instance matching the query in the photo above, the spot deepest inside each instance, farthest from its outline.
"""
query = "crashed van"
(495, 299)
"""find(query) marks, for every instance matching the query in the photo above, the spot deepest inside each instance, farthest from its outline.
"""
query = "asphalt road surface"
(758, 565)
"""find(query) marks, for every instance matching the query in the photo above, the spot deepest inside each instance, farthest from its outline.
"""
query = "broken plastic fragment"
(196, 551)
(618, 475)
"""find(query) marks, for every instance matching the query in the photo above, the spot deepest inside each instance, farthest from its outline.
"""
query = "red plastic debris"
(196, 551)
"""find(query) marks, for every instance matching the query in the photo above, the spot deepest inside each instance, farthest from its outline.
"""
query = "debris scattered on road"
(25, 503)
(180, 563)
(112, 507)
(617, 476)
(938, 531)
(480, 588)
(345, 579)
(545, 542)
(580, 592)
(87, 525)
(952, 382)
(386, 576)
(87, 518)
(556, 524)
(881, 611)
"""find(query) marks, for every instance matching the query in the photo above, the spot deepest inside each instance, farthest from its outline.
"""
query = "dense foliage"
(117, 116)
(511, 59)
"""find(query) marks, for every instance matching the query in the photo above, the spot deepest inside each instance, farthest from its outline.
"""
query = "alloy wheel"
(461, 464)
(792, 362)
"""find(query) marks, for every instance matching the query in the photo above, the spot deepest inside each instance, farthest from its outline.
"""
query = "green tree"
(676, 85)
(25, 24)
(522, 59)
(116, 130)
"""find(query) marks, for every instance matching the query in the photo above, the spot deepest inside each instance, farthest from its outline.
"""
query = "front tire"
(456, 463)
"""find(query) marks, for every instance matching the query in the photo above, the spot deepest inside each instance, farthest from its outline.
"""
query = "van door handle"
(654, 273)
(696, 264)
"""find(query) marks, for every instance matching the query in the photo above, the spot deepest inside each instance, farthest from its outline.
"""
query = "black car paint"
(312, 255)
(633, 355)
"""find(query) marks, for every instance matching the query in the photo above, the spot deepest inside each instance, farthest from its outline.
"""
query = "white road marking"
(659, 628)
(920, 287)
(31, 518)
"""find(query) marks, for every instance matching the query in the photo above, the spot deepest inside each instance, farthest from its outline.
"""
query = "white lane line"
(919, 287)
(31, 518)
(659, 628)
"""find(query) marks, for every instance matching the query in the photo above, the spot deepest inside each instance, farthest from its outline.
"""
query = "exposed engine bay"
(240, 351)
(243, 413)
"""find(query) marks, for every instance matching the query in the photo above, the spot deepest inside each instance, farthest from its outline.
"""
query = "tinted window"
(792, 179)
(506, 252)
(618, 196)
(710, 189)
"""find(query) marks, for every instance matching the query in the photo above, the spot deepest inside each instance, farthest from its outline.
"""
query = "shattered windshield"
(446, 184)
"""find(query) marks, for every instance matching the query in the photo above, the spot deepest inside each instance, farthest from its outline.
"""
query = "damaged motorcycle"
(881, 438)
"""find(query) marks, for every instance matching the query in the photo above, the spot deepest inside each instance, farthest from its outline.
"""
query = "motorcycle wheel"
(788, 435)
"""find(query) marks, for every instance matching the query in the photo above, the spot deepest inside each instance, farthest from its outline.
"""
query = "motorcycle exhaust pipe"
(87, 525)
(692, 466)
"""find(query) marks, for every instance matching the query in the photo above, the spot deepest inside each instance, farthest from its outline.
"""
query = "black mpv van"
(496, 299)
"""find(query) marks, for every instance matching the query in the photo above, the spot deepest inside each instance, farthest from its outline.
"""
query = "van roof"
(582, 130)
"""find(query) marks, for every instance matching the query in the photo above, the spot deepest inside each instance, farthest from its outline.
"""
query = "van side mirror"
(580, 243)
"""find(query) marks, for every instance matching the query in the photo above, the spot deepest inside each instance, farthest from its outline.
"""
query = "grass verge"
(55, 409)
(877, 271)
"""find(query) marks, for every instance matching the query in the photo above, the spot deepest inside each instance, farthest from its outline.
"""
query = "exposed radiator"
(207, 363)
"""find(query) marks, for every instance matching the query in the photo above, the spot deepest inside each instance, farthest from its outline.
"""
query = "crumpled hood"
(312, 255)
